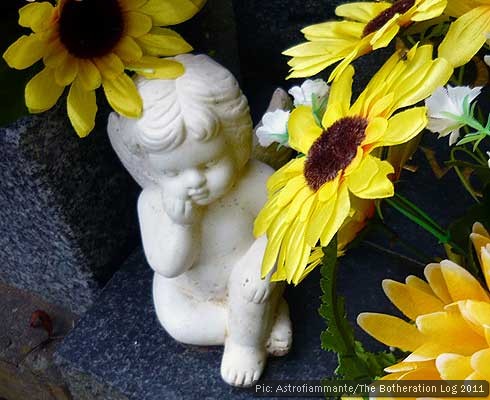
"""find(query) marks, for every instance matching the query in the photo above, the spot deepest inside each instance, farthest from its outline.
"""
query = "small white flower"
(274, 128)
(303, 94)
(448, 100)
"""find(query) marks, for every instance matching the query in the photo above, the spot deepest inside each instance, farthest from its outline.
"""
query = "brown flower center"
(399, 7)
(334, 150)
(90, 28)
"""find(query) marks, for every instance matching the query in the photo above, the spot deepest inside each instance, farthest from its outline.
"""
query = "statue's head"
(195, 132)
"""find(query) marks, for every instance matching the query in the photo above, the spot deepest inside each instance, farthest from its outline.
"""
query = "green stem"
(415, 214)
(461, 177)
(420, 214)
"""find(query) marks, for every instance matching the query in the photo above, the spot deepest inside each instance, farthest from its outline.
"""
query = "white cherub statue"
(190, 152)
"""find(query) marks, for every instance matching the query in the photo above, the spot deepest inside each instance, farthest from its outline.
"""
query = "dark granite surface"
(120, 347)
(67, 214)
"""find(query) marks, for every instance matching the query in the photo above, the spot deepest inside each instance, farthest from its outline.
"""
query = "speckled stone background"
(67, 212)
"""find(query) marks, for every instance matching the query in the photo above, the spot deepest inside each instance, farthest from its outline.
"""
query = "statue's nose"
(195, 178)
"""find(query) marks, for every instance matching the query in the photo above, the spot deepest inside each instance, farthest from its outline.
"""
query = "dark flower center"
(90, 28)
(334, 150)
(399, 7)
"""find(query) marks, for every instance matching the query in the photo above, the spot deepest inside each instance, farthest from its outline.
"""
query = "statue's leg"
(281, 336)
(186, 319)
(249, 325)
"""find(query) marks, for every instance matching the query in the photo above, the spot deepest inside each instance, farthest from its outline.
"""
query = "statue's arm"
(171, 248)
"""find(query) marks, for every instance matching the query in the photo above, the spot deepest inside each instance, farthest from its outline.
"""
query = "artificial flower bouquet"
(349, 155)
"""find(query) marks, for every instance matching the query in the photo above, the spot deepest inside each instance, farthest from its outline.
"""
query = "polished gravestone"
(119, 351)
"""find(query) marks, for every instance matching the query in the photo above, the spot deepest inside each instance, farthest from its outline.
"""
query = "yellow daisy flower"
(450, 338)
(468, 33)
(310, 197)
(88, 43)
(366, 26)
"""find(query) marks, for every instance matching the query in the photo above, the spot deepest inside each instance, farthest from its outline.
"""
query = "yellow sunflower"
(468, 33)
(366, 26)
(88, 43)
(310, 197)
(451, 335)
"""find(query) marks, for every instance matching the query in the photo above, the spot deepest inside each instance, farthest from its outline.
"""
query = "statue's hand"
(182, 211)
(256, 290)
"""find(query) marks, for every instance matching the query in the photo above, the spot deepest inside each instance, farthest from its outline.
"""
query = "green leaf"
(338, 336)
(354, 362)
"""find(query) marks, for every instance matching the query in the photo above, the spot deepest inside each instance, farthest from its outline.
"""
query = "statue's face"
(200, 171)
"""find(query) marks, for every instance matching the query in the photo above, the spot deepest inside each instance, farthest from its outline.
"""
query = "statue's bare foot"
(242, 365)
(281, 337)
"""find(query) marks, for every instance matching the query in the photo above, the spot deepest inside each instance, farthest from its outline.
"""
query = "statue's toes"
(241, 366)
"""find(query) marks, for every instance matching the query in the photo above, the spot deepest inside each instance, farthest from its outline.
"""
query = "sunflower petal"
(319, 218)
(404, 126)
(55, 54)
(35, 16)
(340, 213)
(66, 71)
(467, 34)
(302, 129)
(42, 92)
(383, 36)
(131, 4)
(25, 51)
(370, 180)
(279, 179)
(82, 107)
(275, 236)
(109, 66)
(88, 75)
(341, 92)
(375, 130)
(156, 68)
(127, 49)
(137, 24)
(169, 12)
(122, 95)
(361, 11)
(163, 42)
(391, 331)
